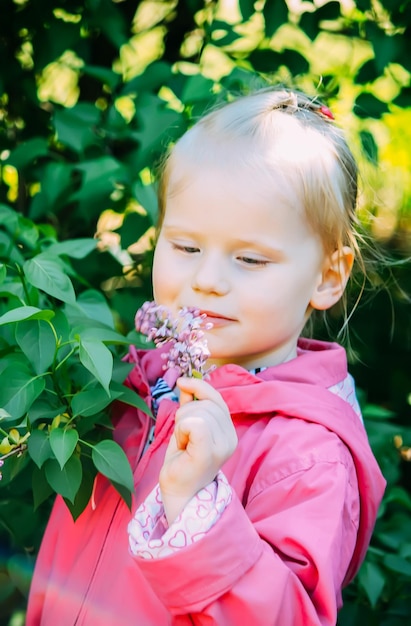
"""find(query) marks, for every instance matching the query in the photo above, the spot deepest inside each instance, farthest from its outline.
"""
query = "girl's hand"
(204, 438)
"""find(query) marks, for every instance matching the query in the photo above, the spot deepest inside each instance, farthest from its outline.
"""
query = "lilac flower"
(188, 352)
(1, 463)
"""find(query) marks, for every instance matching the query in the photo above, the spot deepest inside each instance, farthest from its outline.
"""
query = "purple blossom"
(1, 463)
(188, 352)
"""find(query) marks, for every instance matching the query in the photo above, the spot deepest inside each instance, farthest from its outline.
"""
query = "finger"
(201, 390)
(185, 396)
(193, 431)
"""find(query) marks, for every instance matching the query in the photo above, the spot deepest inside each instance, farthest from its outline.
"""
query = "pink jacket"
(306, 489)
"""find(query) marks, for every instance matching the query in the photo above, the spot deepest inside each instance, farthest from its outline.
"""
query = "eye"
(247, 260)
(186, 249)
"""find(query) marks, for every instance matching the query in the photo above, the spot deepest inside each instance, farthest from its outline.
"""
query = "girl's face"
(250, 263)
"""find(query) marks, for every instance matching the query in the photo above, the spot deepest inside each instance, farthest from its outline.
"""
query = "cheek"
(159, 275)
(167, 279)
(283, 294)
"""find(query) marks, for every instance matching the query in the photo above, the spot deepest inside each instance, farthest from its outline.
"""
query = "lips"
(216, 319)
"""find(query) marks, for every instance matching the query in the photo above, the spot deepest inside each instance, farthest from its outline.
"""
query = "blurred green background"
(91, 94)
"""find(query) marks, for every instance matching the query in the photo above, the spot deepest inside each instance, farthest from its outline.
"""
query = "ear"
(335, 275)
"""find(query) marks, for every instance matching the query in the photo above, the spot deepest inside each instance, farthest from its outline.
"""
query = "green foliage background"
(91, 94)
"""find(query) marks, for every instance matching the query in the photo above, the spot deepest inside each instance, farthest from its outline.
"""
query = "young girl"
(256, 497)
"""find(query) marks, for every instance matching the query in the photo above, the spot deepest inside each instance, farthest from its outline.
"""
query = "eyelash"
(186, 249)
(244, 259)
(250, 261)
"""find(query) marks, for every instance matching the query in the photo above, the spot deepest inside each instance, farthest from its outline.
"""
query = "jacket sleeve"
(280, 560)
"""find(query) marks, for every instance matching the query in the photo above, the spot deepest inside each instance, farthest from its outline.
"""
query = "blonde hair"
(286, 132)
(279, 132)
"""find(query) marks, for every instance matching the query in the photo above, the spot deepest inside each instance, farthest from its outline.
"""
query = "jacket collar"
(317, 363)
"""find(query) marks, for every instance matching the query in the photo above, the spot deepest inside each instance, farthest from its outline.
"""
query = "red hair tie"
(326, 111)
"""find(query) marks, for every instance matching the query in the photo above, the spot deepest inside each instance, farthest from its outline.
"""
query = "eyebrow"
(260, 247)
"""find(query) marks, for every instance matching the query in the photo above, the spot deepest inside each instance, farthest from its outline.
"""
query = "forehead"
(233, 175)
(234, 204)
(278, 151)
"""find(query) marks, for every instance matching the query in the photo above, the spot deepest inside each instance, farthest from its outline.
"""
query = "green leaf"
(82, 496)
(13, 291)
(134, 226)
(294, 61)
(363, 5)
(43, 409)
(27, 152)
(158, 124)
(154, 76)
(19, 390)
(406, 551)
(247, 8)
(25, 313)
(9, 250)
(146, 195)
(98, 359)
(46, 274)
(367, 73)
(372, 580)
(75, 248)
(3, 273)
(377, 412)
(121, 369)
(53, 41)
(64, 481)
(369, 146)
(93, 305)
(91, 401)
(38, 445)
(196, 87)
(75, 126)
(8, 218)
(98, 422)
(20, 519)
(27, 233)
(398, 564)
(100, 177)
(99, 332)
(367, 105)
(40, 487)
(265, 60)
(63, 442)
(404, 98)
(387, 48)
(15, 360)
(111, 460)
(240, 78)
(310, 21)
(56, 183)
(102, 74)
(107, 18)
(226, 37)
(124, 493)
(3, 414)
(37, 341)
(398, 495)
(275, 14)
(128, 396)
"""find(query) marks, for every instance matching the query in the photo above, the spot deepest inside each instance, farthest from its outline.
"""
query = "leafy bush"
(60, 368)
(379, 593)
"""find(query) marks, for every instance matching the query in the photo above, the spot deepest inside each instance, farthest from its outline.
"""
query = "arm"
(204, 438)
(280, 560)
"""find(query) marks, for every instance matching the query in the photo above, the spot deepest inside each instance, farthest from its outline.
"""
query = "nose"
(210, 275)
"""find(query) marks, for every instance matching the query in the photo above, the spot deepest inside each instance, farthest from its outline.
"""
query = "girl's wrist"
(174, 505)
